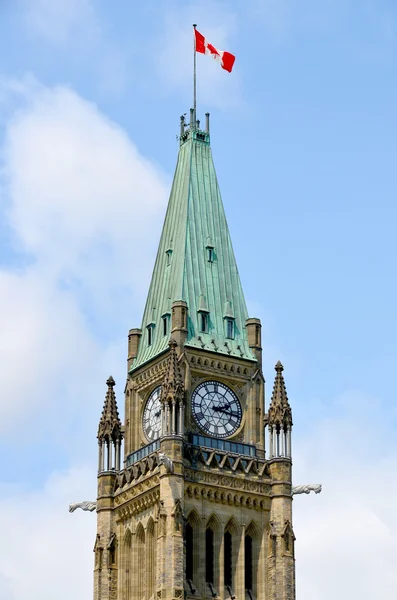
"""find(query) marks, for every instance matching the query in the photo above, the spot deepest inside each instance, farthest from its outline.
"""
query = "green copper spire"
(195, 262)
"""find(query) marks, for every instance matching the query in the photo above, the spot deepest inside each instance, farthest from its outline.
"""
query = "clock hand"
(219, 408)
(229, 412)
(158, 413)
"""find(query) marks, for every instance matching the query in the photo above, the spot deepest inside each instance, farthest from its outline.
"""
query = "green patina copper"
(195, 262)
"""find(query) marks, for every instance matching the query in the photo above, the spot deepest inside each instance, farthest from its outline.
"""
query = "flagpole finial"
(194, 70)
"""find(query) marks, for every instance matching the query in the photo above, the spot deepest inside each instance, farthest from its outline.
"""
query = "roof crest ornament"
(110, 427)
(280, 413)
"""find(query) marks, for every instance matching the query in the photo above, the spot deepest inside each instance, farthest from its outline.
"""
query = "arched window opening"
(189, 552)
(228, 559)
(193, 552)
(251, 563)
(127, 564)
(209, 556)
(248, 563)
(150, 560)
(141, 575)
(203, 322)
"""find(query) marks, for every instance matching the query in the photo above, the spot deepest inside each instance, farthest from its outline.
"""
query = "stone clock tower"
(197, 505)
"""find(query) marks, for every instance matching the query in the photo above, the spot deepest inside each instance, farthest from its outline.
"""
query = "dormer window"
(165, 320)
(229, 320)
(209, 247)
(203, 318)
(168, 252)
(229, 328)
(150, 334)
(202, 314)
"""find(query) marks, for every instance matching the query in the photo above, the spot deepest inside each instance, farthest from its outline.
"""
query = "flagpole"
(194, 74)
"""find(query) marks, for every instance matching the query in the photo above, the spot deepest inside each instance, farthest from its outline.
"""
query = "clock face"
(151, 420)
(216, 409)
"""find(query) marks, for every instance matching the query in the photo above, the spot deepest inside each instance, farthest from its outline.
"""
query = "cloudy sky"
(304, 136)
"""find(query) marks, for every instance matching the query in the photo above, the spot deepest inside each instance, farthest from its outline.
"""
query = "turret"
(279, 418)
(110, 432)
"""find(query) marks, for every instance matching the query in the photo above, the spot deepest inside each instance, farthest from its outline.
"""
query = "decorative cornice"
(138, 505)
(149, 376)
(219, 364)
(220, 459)
(136, 472)
(254, 499)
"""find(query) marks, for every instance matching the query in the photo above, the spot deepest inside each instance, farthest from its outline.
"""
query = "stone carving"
(306, 489)
(162, 517)
(227, 482)
(86, 505)
(227, 497)
(166, 461)
(138, 505)
(288, 536)
(272, 539)
(178, 515)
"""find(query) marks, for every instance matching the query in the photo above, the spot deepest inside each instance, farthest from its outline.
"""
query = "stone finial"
(172, 389)
(110, 427)
(279, 410)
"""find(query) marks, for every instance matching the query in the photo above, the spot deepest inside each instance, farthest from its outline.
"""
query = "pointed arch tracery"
(150, 559)
(252, 541)
(231, 541)
(192, 537)
(127, 557)
(141, 561)
(213, 541)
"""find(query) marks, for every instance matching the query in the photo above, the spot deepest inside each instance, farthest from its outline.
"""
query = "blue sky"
(304, 140)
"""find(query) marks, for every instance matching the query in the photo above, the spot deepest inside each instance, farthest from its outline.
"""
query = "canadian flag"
(225, 59)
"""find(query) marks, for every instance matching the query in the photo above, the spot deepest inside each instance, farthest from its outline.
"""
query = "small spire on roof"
(110, 427)
(280, 413)
(172, 389)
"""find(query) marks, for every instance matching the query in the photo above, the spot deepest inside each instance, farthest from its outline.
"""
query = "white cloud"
(78, 186)
(42, 332)
(347, 536)
(82, 203)
(47, 551)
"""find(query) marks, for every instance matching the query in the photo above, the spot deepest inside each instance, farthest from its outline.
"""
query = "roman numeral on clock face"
(216, 409)
(151, 418)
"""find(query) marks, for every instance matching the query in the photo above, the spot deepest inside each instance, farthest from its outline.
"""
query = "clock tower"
(197, 505)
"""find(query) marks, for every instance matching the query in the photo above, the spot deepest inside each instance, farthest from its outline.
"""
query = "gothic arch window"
(189, 551)
(209, 555)
(127, 563)
(150, 559)
(141, 562)
(251, 553)
(213, 536)
(230, 552)
(193, 558)
(228, 559)
(248, 566)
